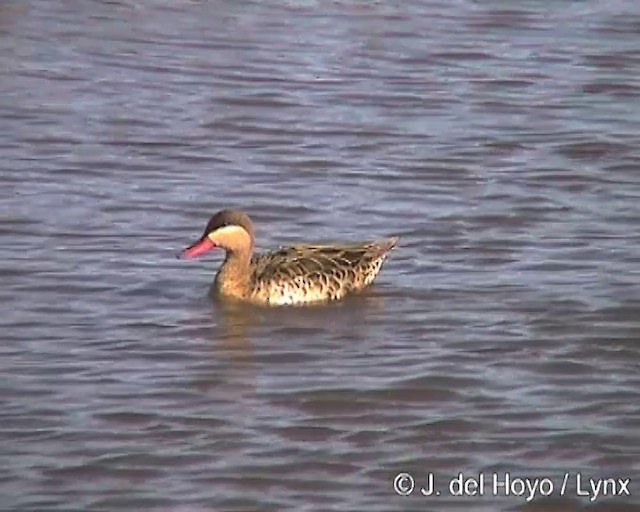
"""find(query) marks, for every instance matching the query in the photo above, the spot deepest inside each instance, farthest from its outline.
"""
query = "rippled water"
(499, 140)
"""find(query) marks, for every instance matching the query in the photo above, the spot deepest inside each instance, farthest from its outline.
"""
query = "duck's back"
(305, 274)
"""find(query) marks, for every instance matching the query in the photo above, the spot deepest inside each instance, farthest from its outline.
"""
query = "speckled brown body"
(307, 274)
(301, 274)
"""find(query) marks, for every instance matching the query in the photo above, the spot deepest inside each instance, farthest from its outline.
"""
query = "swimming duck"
(301, 274)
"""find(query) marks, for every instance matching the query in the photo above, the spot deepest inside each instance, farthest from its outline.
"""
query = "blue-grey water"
(499, 140)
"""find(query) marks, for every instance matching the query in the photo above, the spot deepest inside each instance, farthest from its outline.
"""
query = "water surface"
(500, 142)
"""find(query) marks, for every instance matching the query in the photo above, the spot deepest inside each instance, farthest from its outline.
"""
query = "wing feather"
(314, 261)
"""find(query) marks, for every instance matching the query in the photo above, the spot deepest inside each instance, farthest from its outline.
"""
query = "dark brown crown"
(229, 218)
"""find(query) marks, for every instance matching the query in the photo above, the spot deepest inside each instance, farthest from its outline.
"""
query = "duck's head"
(230, 230)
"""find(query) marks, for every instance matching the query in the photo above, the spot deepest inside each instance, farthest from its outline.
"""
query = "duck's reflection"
(234, 321)
(233, 377)
(243, 334)
(238, 322)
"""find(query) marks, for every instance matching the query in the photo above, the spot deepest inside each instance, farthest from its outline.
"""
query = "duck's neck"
(234, 276)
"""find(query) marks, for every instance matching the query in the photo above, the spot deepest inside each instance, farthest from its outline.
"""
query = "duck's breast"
(300, 290)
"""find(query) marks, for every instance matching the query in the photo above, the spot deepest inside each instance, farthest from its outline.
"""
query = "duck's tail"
(380, 248)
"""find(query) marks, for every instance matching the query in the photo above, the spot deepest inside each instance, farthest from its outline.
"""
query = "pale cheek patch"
(226, 234)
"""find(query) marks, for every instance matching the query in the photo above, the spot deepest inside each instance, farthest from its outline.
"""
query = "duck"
(295, 275)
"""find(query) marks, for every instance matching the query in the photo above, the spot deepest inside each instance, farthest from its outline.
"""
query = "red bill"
(198, 249)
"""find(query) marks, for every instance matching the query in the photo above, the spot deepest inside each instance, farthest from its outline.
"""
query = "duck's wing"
(322, 262)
